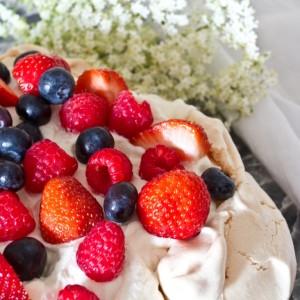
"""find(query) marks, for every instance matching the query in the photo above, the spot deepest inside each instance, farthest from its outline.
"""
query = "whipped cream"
(244, 251)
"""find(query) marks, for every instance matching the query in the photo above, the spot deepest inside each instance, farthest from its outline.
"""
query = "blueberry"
(33, 108)
(119, 202)
(27, 256)
(91, 140)
(5, 117)
(32, 129)
(14, 143)
(24, 54)
(4, 73)
(219, 184)
(56, 85)
(11, 176)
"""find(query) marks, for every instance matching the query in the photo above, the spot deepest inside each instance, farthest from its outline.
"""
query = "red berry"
(7, 96)
(46, 160)
(84, 111)
(128, 117)
(101, 254)
(76, 292)
(30, 68)
(103, 82)
(106, 167)
(11, 287)
(174, 205)
(158, 160)
(188, 139)
(68, 210)
(15, 219)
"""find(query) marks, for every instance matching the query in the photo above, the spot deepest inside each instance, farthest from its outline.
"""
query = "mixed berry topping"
(98, 107)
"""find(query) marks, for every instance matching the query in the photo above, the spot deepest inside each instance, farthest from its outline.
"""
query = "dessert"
(244, 250)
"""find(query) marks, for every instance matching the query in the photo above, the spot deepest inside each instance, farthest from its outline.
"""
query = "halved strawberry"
(7, 96)
(188, 139)
(30, 68)
(10, 285)
(103, 82)
(68, 210)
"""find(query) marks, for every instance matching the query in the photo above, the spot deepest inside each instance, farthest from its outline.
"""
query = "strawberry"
(15, 221)
(128, 117)
(45, 160)
(157, 160)
(174, 205)
(76, 292)
(7, 96)
(84, 111)
(68, 210)
(10, 285)
(106, 167)
(189, 140)
(29, 69)
(103, 82)
(101, 254)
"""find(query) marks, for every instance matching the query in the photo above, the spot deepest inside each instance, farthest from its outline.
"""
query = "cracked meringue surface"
(245, 250)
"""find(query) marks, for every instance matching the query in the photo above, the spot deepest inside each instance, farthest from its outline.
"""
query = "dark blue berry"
(24, 54)
(27, 256)
(90, 141)
(219, 184)
(11, 176)
(14, 143)
(33, 108)
(5, 117)
(4, 73)
(119, 202)
(56, 85)
(32, 129)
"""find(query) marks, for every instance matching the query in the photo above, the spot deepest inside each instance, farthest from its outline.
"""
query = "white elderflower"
(163, 47)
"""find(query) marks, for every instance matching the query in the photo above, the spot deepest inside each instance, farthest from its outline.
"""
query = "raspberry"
(84, 111)
(106, 167)
(128, 117)
(156, 161)
(101, 254)
(76, 291)
(44, 161)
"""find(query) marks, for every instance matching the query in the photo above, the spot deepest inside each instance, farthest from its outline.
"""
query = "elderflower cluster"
(162, 47)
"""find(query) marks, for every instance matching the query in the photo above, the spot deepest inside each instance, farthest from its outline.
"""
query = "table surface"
(257, 170)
